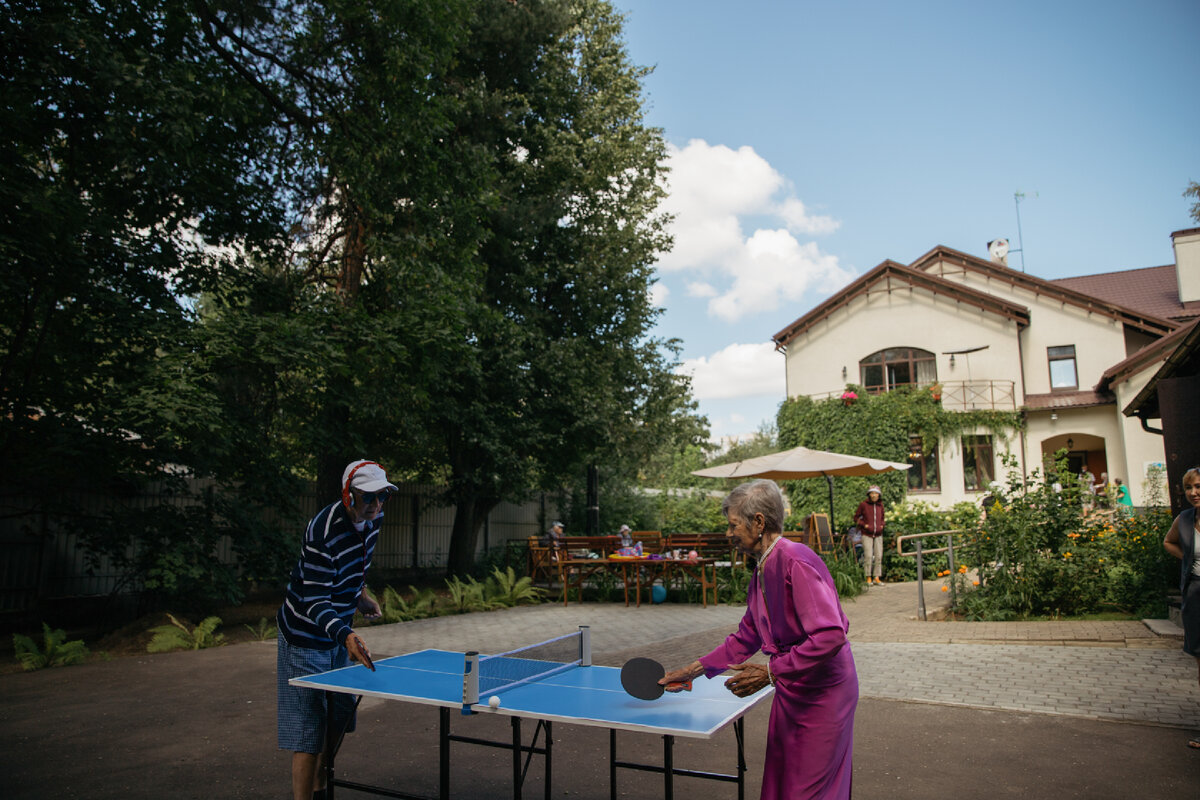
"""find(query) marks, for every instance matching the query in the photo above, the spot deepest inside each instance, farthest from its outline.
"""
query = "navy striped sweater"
(323, 591)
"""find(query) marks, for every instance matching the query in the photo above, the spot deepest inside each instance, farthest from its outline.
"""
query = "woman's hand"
(747, 679)
(681, 675)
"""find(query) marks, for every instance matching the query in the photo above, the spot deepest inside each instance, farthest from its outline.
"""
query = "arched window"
(897, 366)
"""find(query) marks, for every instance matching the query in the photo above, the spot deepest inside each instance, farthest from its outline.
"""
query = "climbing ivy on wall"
(877, 426)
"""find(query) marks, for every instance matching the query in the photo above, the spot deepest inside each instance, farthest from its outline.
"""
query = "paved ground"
(1037, 710)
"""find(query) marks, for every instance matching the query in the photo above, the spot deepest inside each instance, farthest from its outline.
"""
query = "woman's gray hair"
(757, 497)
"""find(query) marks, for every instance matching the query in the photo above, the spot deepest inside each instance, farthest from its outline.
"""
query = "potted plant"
(935, 390)
(848, 398)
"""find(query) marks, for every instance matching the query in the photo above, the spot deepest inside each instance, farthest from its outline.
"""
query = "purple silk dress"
(793, 615)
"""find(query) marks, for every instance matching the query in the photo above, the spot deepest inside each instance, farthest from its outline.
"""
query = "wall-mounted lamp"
(843, 373)
(952, 359)
(1070, 444)
(1053, 416)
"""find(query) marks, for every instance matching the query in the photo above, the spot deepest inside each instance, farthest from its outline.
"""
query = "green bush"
(179, 636)
(505, 589)
(264, 630)
(58, 653)
(1038, 555)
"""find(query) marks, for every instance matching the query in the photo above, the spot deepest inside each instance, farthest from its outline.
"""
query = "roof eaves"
(1147, 322)
(963, 294)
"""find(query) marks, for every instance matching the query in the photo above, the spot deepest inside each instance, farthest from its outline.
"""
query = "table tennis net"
(484, 676)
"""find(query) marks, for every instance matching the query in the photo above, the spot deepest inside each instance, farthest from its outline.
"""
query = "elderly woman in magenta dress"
(793, 616)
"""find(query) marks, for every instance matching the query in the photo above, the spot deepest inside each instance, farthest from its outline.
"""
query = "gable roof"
(1127, 368)
(1151, 290)
(1149, 323)
(1183, 359)
(884, 274)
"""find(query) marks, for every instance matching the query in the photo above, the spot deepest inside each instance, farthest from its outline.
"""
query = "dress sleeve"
(815, 604)
(739, 645)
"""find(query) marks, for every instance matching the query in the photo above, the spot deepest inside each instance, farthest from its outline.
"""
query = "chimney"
(1187, 263)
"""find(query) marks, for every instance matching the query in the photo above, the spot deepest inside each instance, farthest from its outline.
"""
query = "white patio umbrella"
(800, 462)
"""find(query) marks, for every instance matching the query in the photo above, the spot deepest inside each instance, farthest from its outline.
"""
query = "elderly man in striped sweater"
(327, 586)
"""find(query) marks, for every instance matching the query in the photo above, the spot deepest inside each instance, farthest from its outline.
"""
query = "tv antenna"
(1020, 248)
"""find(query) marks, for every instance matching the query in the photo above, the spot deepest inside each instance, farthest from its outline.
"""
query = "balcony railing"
(965, 395)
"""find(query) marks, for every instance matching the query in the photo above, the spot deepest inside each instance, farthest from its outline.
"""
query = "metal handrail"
(919, 552)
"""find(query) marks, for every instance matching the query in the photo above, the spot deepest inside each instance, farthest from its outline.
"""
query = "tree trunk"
(470, 510)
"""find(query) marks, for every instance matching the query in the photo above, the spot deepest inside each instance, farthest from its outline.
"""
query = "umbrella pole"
(829, 480)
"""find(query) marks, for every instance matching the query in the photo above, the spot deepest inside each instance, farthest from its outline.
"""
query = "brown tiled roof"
(1150, 290)
(1080, 399)
(889, 270)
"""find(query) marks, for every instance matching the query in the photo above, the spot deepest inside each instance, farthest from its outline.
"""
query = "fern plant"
(469, 596)
(264, 630)
(59, 653)
(178, 636)
(504, 588)
(397, 609)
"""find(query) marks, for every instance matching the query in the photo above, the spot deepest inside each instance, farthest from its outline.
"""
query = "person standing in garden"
(869, 519)
(1124, 504)
(1181, 542)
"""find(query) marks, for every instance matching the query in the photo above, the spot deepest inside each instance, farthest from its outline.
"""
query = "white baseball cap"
(368, 477)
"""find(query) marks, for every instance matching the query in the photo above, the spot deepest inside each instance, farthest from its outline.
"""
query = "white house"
(1069, 353)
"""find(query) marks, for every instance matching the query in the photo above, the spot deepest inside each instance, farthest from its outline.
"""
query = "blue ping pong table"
(580, 695)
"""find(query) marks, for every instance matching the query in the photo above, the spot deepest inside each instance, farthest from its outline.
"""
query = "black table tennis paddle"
(640, 678)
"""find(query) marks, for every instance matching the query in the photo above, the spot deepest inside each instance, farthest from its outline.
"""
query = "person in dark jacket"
(1183, 542)
(869, 520)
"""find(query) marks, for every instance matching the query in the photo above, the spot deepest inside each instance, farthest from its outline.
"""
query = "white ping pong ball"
(494, 701)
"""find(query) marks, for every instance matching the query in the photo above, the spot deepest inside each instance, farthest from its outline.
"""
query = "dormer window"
(897, 366)
(1063, 374)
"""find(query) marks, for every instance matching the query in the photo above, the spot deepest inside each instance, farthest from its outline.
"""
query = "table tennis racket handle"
(679, 686)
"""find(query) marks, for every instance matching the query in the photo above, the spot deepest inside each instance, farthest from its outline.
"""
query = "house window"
(978, 467)
(1062, 367)
(897, 366)
(923, 476)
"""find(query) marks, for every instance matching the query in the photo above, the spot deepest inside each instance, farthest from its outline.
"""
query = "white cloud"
(711, 189)
(658, 294)
(739, 370)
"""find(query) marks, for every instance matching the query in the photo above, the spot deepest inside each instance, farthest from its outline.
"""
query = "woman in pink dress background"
(794, 617)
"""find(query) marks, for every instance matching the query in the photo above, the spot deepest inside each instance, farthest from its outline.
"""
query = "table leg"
(444, 755)
(549, 745)
(739, 734)
(612, 763)
(516, 756)
(669, 766)
(330, 749)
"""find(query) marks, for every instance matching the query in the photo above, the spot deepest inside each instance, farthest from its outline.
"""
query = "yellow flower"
(974, 583)
(945, 588)
(962, 568)
(1066, 555)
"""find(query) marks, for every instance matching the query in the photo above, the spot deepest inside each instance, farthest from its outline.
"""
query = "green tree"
(1193, 191)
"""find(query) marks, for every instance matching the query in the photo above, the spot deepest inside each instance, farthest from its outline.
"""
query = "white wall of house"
(1141, 447)
(901, 317)
(1099, 340)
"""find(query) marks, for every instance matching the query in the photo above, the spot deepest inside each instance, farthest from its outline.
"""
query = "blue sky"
(810, 140)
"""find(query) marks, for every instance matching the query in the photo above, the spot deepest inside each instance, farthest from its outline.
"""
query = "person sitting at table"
(626, 536)
(555, 539)
(794, 617)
